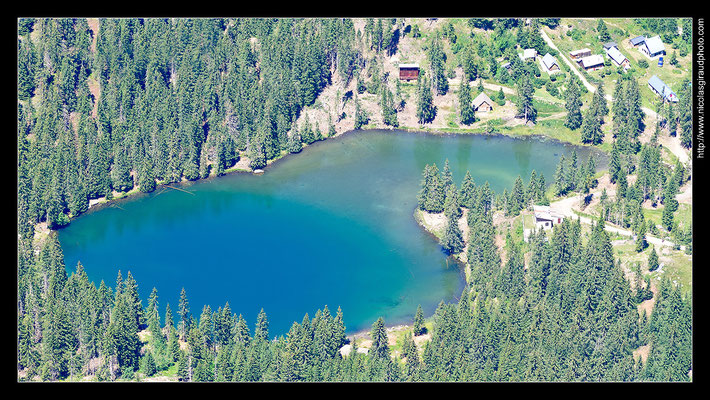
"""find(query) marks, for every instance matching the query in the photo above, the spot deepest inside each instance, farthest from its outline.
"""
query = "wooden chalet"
(482, 103)
(550, 63)
(592, 63)
(408, 72)
(579, 54)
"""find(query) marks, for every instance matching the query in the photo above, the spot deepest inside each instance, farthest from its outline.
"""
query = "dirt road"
(566, 207)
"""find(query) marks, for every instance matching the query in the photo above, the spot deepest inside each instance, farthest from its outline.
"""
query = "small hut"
(529, 54)
(408, 72)
(546, 217)
(482, 103)
(579, 54)
(550, 63)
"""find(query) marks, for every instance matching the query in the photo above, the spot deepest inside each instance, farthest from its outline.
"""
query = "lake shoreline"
(101, 202)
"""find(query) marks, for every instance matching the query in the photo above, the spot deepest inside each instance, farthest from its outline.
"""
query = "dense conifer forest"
(130, 104)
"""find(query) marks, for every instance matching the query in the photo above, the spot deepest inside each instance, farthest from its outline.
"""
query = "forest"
(130, 104)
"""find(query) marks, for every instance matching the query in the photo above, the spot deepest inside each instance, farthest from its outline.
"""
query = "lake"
(332, 225)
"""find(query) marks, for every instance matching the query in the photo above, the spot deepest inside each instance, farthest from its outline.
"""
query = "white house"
(618, 58)
(592, 62)
(653, 47)
(550, 63)
(546, 217)
(529, 54)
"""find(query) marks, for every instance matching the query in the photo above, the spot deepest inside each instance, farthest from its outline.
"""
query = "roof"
(655, 45)
(592, 60)
(545, 212)
(657, 84)
(584, 50)
(548, 60)
(638, 40)
(616, 55)
(527, 53)
(408, 65)
(609, 45)
(480, 99)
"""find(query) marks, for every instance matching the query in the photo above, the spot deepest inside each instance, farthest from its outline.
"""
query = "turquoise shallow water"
(332, 225)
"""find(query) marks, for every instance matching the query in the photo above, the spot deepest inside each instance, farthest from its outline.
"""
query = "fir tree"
(573, 105)
(652, 260)
(418, 327)
(525, 90)
(426, 111)
(452, 241)
(466, 111)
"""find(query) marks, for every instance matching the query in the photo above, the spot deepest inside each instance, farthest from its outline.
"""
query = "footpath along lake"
(332, 225)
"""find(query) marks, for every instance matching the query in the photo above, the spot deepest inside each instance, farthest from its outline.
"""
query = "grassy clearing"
(679, 268)
(676, 264)
(684, 214)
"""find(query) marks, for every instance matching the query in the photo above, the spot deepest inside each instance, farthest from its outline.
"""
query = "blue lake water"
(332, 225)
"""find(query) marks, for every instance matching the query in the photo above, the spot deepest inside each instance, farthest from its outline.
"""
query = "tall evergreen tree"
(573, 104)
(466, 111)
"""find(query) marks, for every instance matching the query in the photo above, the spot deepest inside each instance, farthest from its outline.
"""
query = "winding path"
(566, 207)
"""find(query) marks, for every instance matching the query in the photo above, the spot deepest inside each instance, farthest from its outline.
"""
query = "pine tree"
(591, 128)
(466, 111)
(573, 104)
(380, 346)
(560, 177)
(261, 331)
(652, 260)
(426, 111)
(432, 194)
(452, 241)
(418, 327)
(525, 90)
(149, 368)
(517, 197)
(467, 193)
(361, 116)
(122, 332)
(437, 63)
(389, 112)
(184, 315)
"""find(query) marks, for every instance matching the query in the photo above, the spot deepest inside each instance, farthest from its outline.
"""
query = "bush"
(552, 89)
(643, 64)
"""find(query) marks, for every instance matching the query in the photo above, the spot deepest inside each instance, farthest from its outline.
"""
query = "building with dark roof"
(638, 40)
